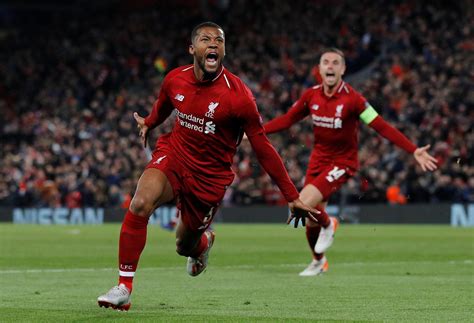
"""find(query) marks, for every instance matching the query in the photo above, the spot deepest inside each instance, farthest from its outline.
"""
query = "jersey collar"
(342, 88)
(207, 81)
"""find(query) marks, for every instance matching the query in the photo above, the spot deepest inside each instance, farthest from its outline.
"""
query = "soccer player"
(335, 110)
(192, 163)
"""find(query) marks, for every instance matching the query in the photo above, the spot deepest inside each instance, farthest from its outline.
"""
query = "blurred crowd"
(70, 81)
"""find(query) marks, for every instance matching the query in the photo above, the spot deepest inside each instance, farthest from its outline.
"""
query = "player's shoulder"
(236, 85)
(181, 71)
(315, 89)
(347, 90)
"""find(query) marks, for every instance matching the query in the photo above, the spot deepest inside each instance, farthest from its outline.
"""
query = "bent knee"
(141, 206)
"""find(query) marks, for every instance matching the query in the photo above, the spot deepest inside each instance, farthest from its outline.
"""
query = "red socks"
(131, 244)
(312, 234)
(200, 248)
(323, 217)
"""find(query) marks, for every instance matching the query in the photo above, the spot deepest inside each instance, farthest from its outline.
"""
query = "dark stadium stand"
(71, 76)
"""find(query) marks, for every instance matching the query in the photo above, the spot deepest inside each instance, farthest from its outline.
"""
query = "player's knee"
(141, 206)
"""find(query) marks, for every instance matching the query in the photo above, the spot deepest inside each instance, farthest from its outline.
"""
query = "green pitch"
(376, 272)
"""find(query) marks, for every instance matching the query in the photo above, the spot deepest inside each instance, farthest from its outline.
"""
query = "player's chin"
(330, 83)
(211, 69)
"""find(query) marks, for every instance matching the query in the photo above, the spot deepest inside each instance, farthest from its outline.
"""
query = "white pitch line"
(344, 264)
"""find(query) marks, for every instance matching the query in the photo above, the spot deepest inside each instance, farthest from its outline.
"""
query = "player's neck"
(202, 76)
(330, 90)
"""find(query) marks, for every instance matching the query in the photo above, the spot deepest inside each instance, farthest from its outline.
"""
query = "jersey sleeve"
(248, 115)
(246, 110)
(360, 104)
(369, 116)
(364, 110)
(394, 135)
(161, 110)
(297, 112)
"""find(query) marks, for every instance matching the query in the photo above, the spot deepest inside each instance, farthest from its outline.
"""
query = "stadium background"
(71, 74)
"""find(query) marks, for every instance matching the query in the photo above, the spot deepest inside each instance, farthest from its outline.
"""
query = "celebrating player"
(335, 109)
(192, 164)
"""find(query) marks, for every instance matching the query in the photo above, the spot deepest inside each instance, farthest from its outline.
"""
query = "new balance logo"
(158, 161)
(210, 128)
(179, 97)
(315, 107)
(212, 107)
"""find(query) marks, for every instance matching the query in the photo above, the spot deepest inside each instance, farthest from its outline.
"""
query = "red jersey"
(335, 124)
(211, 118)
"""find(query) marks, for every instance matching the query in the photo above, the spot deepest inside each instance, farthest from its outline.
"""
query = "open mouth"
(211, 59)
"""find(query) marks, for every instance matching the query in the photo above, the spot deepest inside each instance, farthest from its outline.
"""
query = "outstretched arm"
(298, 111)
(376, 122)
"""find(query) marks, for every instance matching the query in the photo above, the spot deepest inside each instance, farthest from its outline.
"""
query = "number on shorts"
(334, 174)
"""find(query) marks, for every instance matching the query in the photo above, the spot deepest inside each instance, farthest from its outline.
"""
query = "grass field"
(377, 272)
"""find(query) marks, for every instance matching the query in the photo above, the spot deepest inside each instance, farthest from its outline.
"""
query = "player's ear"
(191, 49)
(343, 69)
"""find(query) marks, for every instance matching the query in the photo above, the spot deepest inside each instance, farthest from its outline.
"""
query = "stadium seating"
(69, 82)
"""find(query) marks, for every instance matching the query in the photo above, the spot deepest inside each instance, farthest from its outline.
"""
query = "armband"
(369, 114)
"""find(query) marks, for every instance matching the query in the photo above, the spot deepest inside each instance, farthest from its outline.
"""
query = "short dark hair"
(202, 25)
(333, 50)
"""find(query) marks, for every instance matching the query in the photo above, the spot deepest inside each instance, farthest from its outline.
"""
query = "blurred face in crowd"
(332, 68)
(208, 49)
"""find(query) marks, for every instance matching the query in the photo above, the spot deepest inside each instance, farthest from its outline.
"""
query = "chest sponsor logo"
(327, 122)
(339, 109)
(212, 107)
(210, 128)
(194, 123)
(179, 97)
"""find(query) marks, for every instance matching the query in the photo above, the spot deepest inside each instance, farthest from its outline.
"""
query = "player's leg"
(194, 239)
(323, 186)
(310, 195)
(195, 244)
(153, 190)
(198, 205)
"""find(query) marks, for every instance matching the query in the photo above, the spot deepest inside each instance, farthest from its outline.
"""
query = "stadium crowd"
(69, 83)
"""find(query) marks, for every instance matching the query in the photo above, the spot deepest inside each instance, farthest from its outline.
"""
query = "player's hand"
(143, 133)
(299, 210)
(426, 161)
